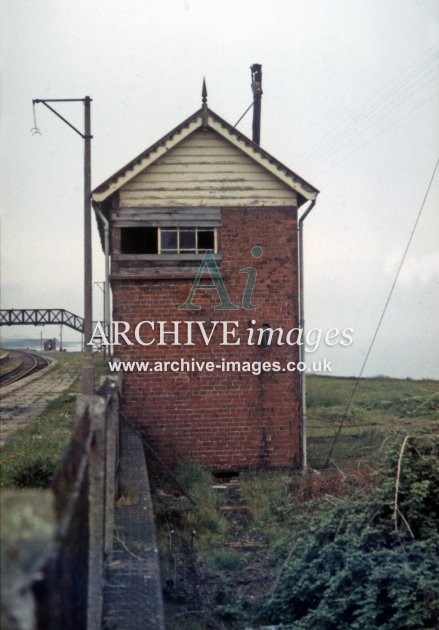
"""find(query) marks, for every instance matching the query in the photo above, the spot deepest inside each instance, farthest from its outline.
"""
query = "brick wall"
(223, 420)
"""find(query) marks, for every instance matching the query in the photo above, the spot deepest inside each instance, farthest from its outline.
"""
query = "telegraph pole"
(88, 377)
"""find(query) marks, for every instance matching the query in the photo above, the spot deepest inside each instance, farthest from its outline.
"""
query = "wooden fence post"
(96, 512)
(111, 462)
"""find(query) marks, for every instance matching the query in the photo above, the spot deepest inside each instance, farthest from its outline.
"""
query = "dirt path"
(24, 400)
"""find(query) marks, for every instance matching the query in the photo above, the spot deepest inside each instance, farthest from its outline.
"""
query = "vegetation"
(370, 562)
(382, 408)
(355, 545)
(12, 362)
(338, 558)
(30, 456)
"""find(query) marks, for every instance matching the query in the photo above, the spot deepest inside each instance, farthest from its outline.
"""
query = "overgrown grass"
(377, 400)
(188, 534)
(369, 560)
(205, 519)
(13, 362)
(30, 456)
(288, 508)
(267, 495)
(383, 409)
(220, 559)
(383, 412)
(202, 521)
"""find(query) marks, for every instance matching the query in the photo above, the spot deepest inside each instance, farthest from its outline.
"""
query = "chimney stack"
(256, 72)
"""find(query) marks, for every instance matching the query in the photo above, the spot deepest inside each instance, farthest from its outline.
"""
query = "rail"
(31, 363)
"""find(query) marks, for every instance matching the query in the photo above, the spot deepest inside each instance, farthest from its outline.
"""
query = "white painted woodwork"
(204, 169)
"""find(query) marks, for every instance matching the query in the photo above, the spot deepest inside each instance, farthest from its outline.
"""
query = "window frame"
(188, 251)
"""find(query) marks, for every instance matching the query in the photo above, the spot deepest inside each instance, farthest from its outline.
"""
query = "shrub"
(35, 473)
(357, 568)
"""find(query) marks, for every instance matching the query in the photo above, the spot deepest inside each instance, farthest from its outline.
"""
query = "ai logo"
(208, 264)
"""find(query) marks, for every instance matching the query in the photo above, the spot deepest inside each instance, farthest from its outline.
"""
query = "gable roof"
(202, 119)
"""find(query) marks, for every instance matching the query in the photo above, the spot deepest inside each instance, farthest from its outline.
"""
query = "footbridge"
(41, 317)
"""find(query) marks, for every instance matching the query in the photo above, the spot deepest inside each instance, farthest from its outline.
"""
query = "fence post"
(96, 512)
(111, 459)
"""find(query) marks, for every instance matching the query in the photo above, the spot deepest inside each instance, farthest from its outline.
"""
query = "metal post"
(107, 283)
(107, 315)
(303, 427)
(103, 287)
(88, 376)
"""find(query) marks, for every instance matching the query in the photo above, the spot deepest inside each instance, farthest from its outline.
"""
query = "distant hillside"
(34, 344)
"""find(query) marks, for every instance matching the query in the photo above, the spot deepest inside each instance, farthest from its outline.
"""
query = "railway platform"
(22, 401)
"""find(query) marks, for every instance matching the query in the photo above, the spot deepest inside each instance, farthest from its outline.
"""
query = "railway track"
(31, 362)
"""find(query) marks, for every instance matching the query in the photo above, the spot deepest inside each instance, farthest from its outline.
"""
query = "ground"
(225, 553)
(223, 558)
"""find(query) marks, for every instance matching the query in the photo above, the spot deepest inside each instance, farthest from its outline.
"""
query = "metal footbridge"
(41, 317)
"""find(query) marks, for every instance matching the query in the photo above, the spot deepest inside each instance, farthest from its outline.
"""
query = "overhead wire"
(369, 140)
(367, 103)
(342, 142)
(367, 124)
(371, 105)
(357, 119)
(374, 118)
(378, 326)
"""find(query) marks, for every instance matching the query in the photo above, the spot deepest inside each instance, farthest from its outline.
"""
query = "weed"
(230, 612)
(370, 562)
(30, 456)
(224, 559)
(205, 520)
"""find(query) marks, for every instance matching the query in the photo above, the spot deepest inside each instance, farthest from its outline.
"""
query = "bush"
(35, 473)
(356, 569)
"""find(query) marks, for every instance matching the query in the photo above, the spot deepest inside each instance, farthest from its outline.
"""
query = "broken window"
(148, 240)
(135, 240)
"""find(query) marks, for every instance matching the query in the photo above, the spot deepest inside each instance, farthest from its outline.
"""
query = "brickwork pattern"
(224, 420)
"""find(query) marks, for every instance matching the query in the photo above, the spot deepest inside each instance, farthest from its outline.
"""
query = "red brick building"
(206, 187)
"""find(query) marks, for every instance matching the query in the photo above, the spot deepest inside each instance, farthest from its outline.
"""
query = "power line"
(357, 382)
(389, 90)
(362, 129)
(400, 95)
(364, 144)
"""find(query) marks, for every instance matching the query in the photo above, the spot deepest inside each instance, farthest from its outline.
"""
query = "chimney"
(256, 72)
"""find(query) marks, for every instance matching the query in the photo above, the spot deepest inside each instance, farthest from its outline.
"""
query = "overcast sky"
(351, 95)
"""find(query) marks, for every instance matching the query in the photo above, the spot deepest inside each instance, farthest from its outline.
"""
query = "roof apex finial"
(204, 109)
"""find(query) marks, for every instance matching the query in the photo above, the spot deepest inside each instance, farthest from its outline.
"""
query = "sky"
(350, 103)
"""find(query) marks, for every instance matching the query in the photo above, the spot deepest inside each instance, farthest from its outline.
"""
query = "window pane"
(187, 239)
(206, 240)
(168, 239)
